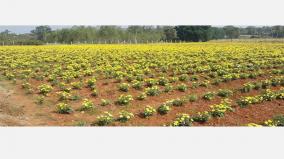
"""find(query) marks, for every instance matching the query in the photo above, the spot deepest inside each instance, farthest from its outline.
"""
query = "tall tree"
(193, 33)
(231, 32)
(170, 33)
(41, 32)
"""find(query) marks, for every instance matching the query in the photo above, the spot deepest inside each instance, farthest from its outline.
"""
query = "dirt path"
(11, 110)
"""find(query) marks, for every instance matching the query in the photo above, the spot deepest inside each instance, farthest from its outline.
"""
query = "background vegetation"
(137, 34)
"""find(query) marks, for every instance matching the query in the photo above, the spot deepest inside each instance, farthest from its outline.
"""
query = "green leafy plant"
(173, 79)
(124, 87)
(205, 83)
(91, 82)
(201, 117)
(77, 85)
(182, 87)
(178, 102)
(94, 93)
(245, 101)
(209, 95)
(164, 109)
(124, 116)
(45, 89)
(141, 96)
(279, 120)
(182, 120)
(40, 99)
(63, 108)
(26, 85)
(192, 98)
(148, 111)
(64, 95)
(153, 91)
(105, 102)
(137, 84)
(194, 78)
(124, 99)
(87, 105)
(168, 88)
(224, 92)
(151, 82)
(218, 110)
(183, 77)
(105, 119)
(163, 81)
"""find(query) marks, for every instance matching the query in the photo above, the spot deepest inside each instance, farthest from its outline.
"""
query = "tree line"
(138, 34)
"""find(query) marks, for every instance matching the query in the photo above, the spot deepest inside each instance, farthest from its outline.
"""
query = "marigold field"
(184, 84)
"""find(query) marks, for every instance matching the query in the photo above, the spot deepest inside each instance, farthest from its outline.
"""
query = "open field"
(187, 84)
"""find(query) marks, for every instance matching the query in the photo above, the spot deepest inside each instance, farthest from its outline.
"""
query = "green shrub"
(124, 99)
(205, 83)
(163, 81)
(218, 110)
(124, 87)
(268, 95)
(183, 77)
(91, 82)
(26, 85)
(247, 87)
(75, 97)
(195, 84)
(64, 95)
(137, 84)
(153, 91)
(104, 119)
(173, 79)
(194, 78)
(124, 116)
(245, 101)
(40, 99)
(148, 111)
(63, 108)
(178, 102)
(77, 85)
(94, 93)
(266, 84)
(182, 87)
(105, 102)
(279, 120)
(45, 89)
(209, 95)
(150, 82)
(182, 120)
(87, 105)
(224, 92)
(201, 117)
(164, 109)
(192, 98)
(168, 88)
(141, 96)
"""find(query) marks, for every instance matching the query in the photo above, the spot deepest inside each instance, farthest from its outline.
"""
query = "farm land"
(182, 84)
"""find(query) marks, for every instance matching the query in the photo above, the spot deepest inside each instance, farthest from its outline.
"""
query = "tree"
(277, 31)
(41, 32)
(170, 33)
(231, 32)
(193, 33)
(217, 33)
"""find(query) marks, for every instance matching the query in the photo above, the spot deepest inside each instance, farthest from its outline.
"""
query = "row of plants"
(264, 84)
(216, 110)
(267, 95)
(277, 120)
